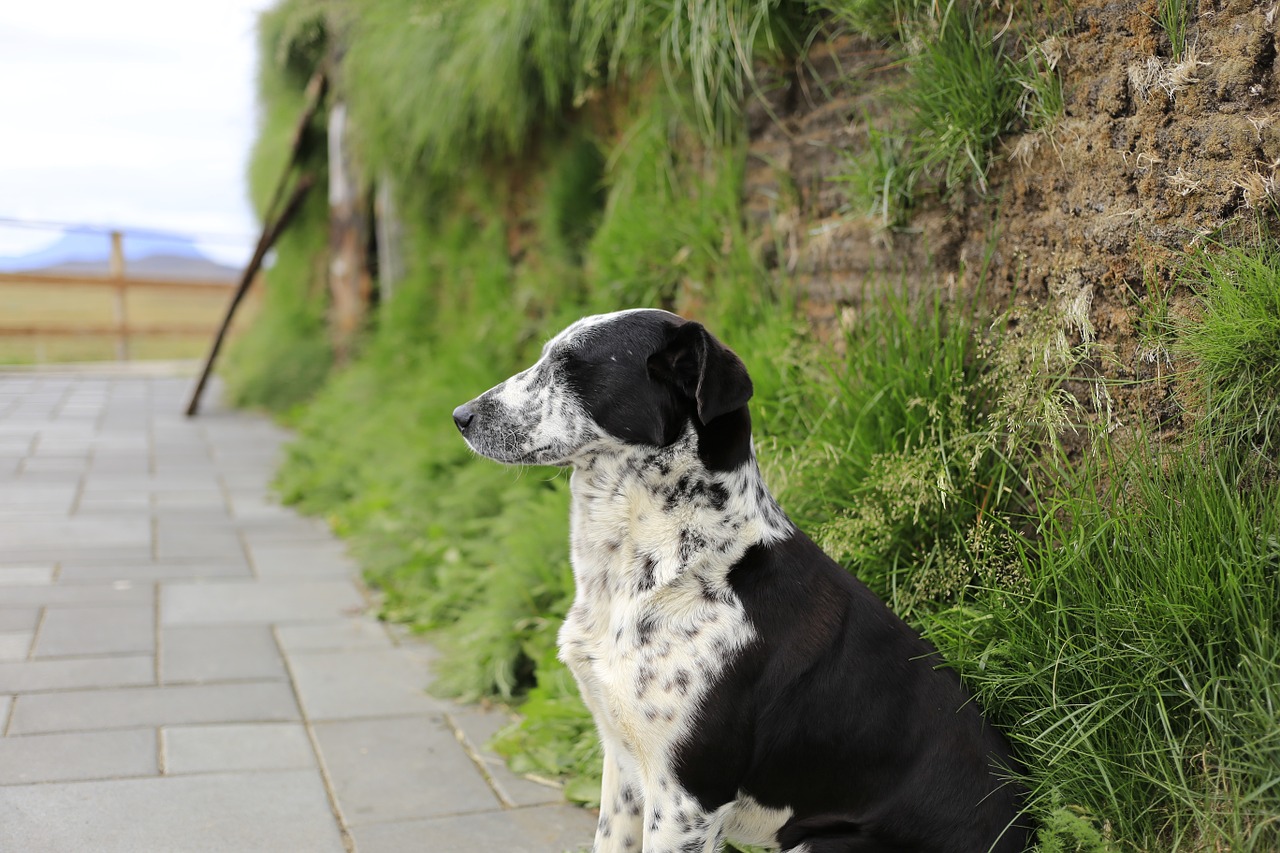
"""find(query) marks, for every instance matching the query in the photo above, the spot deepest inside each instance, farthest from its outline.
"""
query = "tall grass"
(1233, 342)
(444, 84)
(964, 96)
(1137, 668)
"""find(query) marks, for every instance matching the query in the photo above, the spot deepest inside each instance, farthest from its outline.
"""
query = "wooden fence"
(119, 308)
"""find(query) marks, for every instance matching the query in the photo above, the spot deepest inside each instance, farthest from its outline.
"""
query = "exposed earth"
(1091, 220)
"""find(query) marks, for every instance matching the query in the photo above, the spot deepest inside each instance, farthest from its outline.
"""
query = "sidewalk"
(185, 665)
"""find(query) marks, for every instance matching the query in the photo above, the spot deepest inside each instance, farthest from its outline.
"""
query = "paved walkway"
(185, 665)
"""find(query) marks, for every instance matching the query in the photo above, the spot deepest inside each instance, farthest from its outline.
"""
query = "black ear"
(703, 369)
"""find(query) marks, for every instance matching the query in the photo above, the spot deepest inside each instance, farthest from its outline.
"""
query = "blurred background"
(132, 119)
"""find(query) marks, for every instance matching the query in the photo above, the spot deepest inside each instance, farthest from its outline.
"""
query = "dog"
(744, 685)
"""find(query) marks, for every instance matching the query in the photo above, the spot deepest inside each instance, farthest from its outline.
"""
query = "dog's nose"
(463, 416)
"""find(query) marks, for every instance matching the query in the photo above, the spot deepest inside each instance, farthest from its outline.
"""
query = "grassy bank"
(1113, 600)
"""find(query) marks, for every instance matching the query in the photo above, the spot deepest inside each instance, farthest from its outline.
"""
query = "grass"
(964, 96)
(1233, 342)
(510, 73)
(882, 178)
(881, 20)
(1137, 665)
(1173, 17)
(281, 359)
(965, 91)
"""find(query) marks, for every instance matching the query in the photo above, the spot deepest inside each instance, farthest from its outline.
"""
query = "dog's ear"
(703, 369)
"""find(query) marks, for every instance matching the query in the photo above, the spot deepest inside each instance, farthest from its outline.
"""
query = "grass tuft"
(1173, 17)
(1234, 343)
(964, 96)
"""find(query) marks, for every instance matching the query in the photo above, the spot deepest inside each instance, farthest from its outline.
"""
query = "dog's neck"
(645, 517)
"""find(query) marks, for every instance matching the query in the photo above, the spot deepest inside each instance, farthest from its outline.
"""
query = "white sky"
(130, 113)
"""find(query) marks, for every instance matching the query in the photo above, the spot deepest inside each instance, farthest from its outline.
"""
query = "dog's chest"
(654, 622)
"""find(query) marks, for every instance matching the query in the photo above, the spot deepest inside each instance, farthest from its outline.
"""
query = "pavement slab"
(258, 812)
(237, 746)
(399, 769)
(77, 756)
(533, 830)
(71, 631)
(35, 676)
(87, 710)
(187, 665)
(210, 653)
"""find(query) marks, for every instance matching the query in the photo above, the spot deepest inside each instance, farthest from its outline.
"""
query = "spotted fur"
(743, 685)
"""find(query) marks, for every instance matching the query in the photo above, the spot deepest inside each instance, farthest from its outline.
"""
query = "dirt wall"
(1150, 157)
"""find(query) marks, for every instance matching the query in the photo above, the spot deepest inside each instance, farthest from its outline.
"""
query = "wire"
(215, 238)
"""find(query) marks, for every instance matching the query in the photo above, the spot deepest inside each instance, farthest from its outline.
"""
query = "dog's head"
(642, 378)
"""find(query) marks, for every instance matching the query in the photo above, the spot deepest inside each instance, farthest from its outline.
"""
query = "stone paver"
(79, 755)
(186, 665)
(72, 631)
(211, 653)
(243, 746)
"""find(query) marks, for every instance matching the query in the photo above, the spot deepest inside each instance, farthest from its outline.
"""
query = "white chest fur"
(654, 621)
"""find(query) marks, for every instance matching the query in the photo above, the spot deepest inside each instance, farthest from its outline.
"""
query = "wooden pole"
(349, 282)
(270, 232)
(116, 267)
(272, 225)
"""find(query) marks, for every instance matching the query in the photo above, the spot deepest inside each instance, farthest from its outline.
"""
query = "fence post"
(122, 317)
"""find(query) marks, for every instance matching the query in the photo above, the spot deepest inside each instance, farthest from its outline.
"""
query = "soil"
(1150, 159)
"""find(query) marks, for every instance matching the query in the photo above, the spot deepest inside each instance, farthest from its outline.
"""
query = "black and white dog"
(745, 686)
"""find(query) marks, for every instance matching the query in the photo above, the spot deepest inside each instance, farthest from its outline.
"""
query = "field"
(165, 321)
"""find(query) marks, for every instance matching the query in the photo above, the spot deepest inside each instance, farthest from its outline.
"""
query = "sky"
(128, 114)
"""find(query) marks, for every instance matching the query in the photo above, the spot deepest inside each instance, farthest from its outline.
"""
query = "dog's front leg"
(675, 823)
(621, 824)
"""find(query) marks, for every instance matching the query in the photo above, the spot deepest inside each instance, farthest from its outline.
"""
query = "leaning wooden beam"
(272, 224)
(314, 94)
(270, 232)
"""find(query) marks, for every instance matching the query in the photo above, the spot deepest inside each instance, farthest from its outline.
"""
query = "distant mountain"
(146, 255)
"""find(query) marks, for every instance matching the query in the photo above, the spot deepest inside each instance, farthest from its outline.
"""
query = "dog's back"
(839, 711)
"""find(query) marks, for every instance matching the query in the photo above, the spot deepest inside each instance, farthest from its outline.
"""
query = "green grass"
(964, 97)
(507, 75)
(1137, 664)
(966, 88)
(1233, 342)
(1173, 17)
(882, 178)
(283, 356)
(882, 20)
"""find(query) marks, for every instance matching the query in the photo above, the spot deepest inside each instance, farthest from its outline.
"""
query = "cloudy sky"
(132, 113)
